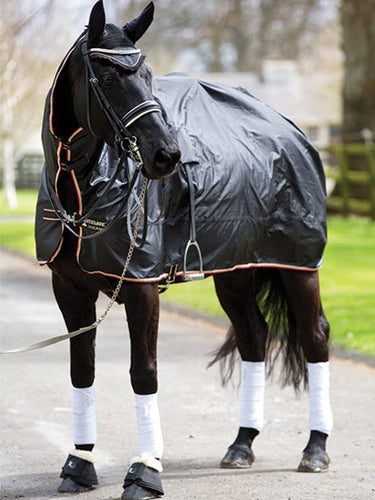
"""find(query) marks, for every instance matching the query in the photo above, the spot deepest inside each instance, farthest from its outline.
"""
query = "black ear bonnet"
(115, 48)
(126, 58)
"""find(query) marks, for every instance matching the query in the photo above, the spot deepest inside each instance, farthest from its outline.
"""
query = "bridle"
(125, 143)
(124, 140)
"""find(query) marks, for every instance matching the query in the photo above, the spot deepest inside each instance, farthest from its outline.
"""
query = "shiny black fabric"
(259, 191)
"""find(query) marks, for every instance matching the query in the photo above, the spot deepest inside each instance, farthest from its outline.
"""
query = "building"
(311, 101)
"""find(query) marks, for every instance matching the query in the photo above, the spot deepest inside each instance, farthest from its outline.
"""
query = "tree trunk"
(9, 180)
(6, 126)
(358, 23)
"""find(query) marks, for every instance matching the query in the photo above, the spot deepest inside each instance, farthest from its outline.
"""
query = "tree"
(30, 51)
(358, 23)
(230, 35)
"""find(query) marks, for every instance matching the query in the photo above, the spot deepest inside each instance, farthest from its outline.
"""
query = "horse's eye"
(107, 79)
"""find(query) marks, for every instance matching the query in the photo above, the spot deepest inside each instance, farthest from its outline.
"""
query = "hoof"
(136, 492)
(314, 462)
(142, 482)
(238, 457)
(68, 485)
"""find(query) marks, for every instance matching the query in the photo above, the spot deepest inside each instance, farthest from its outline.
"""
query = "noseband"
(124, 140)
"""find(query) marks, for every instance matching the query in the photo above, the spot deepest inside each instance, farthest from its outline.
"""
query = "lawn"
(18, 234)
(347, 275)
(26, 203)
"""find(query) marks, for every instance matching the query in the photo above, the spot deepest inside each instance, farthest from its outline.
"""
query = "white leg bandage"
(253, 377)
(149, 428)
(84, 415)
(320, 413)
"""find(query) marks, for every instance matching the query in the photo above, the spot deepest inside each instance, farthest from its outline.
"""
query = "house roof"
(309, 100)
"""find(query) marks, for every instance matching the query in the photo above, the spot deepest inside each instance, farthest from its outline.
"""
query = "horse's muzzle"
(165, 162)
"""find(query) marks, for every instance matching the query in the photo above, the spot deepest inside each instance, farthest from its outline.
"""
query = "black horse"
(103, 109)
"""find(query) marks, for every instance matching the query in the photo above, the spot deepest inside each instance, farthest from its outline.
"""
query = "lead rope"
(70, 335)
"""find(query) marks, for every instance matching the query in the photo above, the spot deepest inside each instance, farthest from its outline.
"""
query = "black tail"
(282, 339)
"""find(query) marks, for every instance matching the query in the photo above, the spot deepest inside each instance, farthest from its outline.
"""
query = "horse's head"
(112, 94)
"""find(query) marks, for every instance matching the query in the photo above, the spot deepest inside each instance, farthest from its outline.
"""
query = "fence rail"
(343, 171)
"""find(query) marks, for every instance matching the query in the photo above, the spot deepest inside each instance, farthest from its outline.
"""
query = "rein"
(126, 146)
(75, 333)
(66, 219)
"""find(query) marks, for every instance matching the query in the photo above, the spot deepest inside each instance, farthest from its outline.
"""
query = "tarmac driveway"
(199, 417)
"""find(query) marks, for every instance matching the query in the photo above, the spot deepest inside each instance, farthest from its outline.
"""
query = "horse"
(102, 109)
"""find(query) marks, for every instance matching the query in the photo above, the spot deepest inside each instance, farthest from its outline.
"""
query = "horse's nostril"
(176, 155)
(164, 158)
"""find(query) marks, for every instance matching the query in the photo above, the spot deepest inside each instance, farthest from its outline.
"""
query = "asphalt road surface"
(199, 417)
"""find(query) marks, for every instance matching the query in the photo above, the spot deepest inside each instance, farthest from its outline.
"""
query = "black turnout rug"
(258, 188)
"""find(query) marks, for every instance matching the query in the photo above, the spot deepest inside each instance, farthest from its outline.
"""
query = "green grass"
(26, 203)
(347, 285)
(347, 275)
(18, 236)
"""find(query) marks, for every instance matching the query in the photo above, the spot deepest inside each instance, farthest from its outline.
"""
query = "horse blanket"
(258, 186)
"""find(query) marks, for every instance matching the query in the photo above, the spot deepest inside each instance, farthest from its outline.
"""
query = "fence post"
(344, 187)
(371, 165)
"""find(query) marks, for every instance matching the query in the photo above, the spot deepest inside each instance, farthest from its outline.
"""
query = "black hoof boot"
(136, 492)
(68, 485)
(315, 458)
(78, 475)
(142, 483)
(240, 454)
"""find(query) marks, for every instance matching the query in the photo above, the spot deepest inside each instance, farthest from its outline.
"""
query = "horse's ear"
(96, 23)
(138, 26)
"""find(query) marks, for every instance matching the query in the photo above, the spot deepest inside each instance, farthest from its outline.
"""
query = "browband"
(120, 51)
(127, 58)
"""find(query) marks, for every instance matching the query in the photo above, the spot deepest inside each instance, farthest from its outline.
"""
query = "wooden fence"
(340, 161)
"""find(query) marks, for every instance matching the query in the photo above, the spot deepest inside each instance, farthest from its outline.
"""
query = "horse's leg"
(234, 291)
(77, 304)
(142, 310)
(303, 292)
